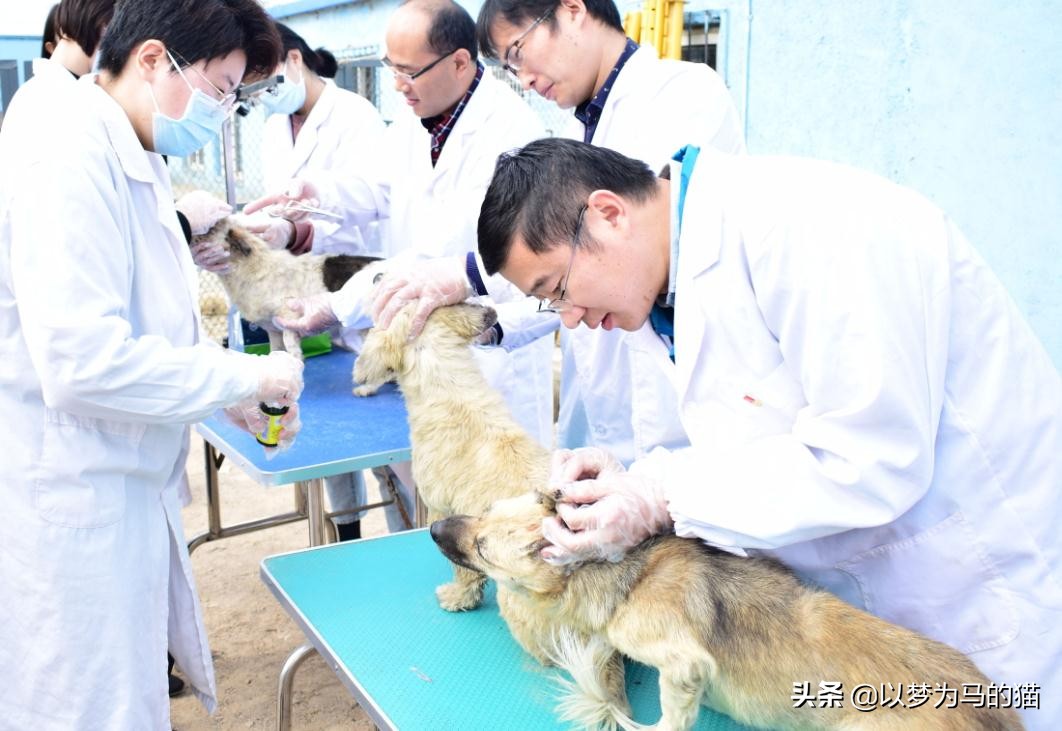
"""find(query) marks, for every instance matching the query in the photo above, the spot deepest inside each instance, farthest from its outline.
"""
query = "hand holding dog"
(432, 284)
(585, 463)
(309, 315)
(202, 210)
(604, 517)
(277, 232)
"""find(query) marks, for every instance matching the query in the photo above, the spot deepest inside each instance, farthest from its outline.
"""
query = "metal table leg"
(287, 678)
(315, 510)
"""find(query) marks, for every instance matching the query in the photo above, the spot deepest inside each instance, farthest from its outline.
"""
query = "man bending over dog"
(863, 399)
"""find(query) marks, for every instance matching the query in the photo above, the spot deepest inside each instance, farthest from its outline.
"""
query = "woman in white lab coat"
(863, 400)
(103, 368)
(313, 126)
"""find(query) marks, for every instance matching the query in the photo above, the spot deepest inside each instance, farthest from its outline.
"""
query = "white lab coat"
(866, 404)
(100, 376)
(615, 387)
(342, 132)
(434, 212)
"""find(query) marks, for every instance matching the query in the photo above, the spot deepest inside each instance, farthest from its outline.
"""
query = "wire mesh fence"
(241, 181)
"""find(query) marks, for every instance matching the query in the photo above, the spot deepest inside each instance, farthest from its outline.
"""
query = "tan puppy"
(735, 634)
(468, 451)
(262, 279)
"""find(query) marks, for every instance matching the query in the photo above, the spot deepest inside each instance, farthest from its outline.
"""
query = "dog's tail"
(584, 698)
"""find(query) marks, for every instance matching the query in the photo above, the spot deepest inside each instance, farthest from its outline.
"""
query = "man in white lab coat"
(103, 367)
(863, 399)
(623, 97)
(433, 173)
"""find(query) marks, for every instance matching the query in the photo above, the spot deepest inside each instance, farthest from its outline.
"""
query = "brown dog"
(739, 635)
(468, 451)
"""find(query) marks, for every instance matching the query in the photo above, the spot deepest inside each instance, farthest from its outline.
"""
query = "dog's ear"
(464, 320)
(547, 498)
(239, 241)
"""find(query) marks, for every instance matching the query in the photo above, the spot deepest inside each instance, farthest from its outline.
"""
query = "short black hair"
(321, 61)
(83, 21)
(195, 29)
(539, 191)
(48, 36)
(525, 12)
(451, 26)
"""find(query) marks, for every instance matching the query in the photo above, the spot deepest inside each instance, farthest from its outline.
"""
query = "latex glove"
(431, 283)
(310, 315)
(277, 232)
(585, 463)
(212, 256)
(279, 378)
(247, 415)
(297, 190)
(202, 210)
(603, 518)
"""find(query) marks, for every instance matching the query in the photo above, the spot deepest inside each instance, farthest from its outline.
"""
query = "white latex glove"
(277, 232)
(311, 315)
(212, 256)
(585, 463)
(297, 190)
(202, 210)
(605, 517)
(247, 415)
(431, 283)
(279, 378)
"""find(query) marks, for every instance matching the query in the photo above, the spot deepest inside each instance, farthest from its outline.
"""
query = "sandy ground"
(250, 635)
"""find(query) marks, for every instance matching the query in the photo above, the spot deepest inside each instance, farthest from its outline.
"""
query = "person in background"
(315, 126)
(48, 37)
(616, 387)
(78, 26)
(104, 367)
(863, 399)
(428, 182)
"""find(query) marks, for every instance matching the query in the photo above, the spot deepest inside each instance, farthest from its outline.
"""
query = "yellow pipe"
(674, 30)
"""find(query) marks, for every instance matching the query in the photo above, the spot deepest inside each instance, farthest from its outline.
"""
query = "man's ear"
(151, 60)
(574, 10)
(462, 58)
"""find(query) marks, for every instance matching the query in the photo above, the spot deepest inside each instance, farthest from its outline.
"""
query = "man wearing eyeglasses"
(575, 53)
(863, 399)
(427, 188)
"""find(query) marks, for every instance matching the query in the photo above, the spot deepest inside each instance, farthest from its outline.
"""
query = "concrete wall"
(961, 101)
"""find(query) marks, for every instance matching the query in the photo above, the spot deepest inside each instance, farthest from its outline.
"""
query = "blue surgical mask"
(201, 122)
(290, 96)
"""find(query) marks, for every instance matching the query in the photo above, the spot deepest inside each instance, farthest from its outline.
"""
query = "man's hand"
(431, 283)
(604, 517)
(279, 378)
(202, 210)
(297, 190)
(247, 415)
(309, 315)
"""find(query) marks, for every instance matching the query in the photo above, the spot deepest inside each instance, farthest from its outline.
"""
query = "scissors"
(293, 206)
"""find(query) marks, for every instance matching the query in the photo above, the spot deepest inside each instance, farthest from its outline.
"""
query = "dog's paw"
(369, 389)
(458, 597)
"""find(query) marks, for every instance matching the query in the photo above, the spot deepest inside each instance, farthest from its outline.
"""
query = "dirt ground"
(250, 635)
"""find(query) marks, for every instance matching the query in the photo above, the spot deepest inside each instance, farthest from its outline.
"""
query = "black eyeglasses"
(560, 304)
(514, 56)
(410, 78)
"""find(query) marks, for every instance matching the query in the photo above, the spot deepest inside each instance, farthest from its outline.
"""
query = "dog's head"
(389, 353)
(238, 241)
(504, 543)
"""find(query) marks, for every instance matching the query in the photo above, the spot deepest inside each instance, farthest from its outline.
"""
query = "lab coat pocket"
(939, 582)
(83, 469)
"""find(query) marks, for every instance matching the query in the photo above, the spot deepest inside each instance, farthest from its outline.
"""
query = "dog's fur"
(263, 279)
(468, 451)
(732, 633)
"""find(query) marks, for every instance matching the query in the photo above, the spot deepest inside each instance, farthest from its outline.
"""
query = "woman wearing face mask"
(105, 367)
(314, 125)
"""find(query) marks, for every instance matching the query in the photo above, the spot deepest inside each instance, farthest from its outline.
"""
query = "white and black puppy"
(261, 280)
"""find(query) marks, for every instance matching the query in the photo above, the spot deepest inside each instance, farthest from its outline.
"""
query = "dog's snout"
(447, 535)
(490, 316)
